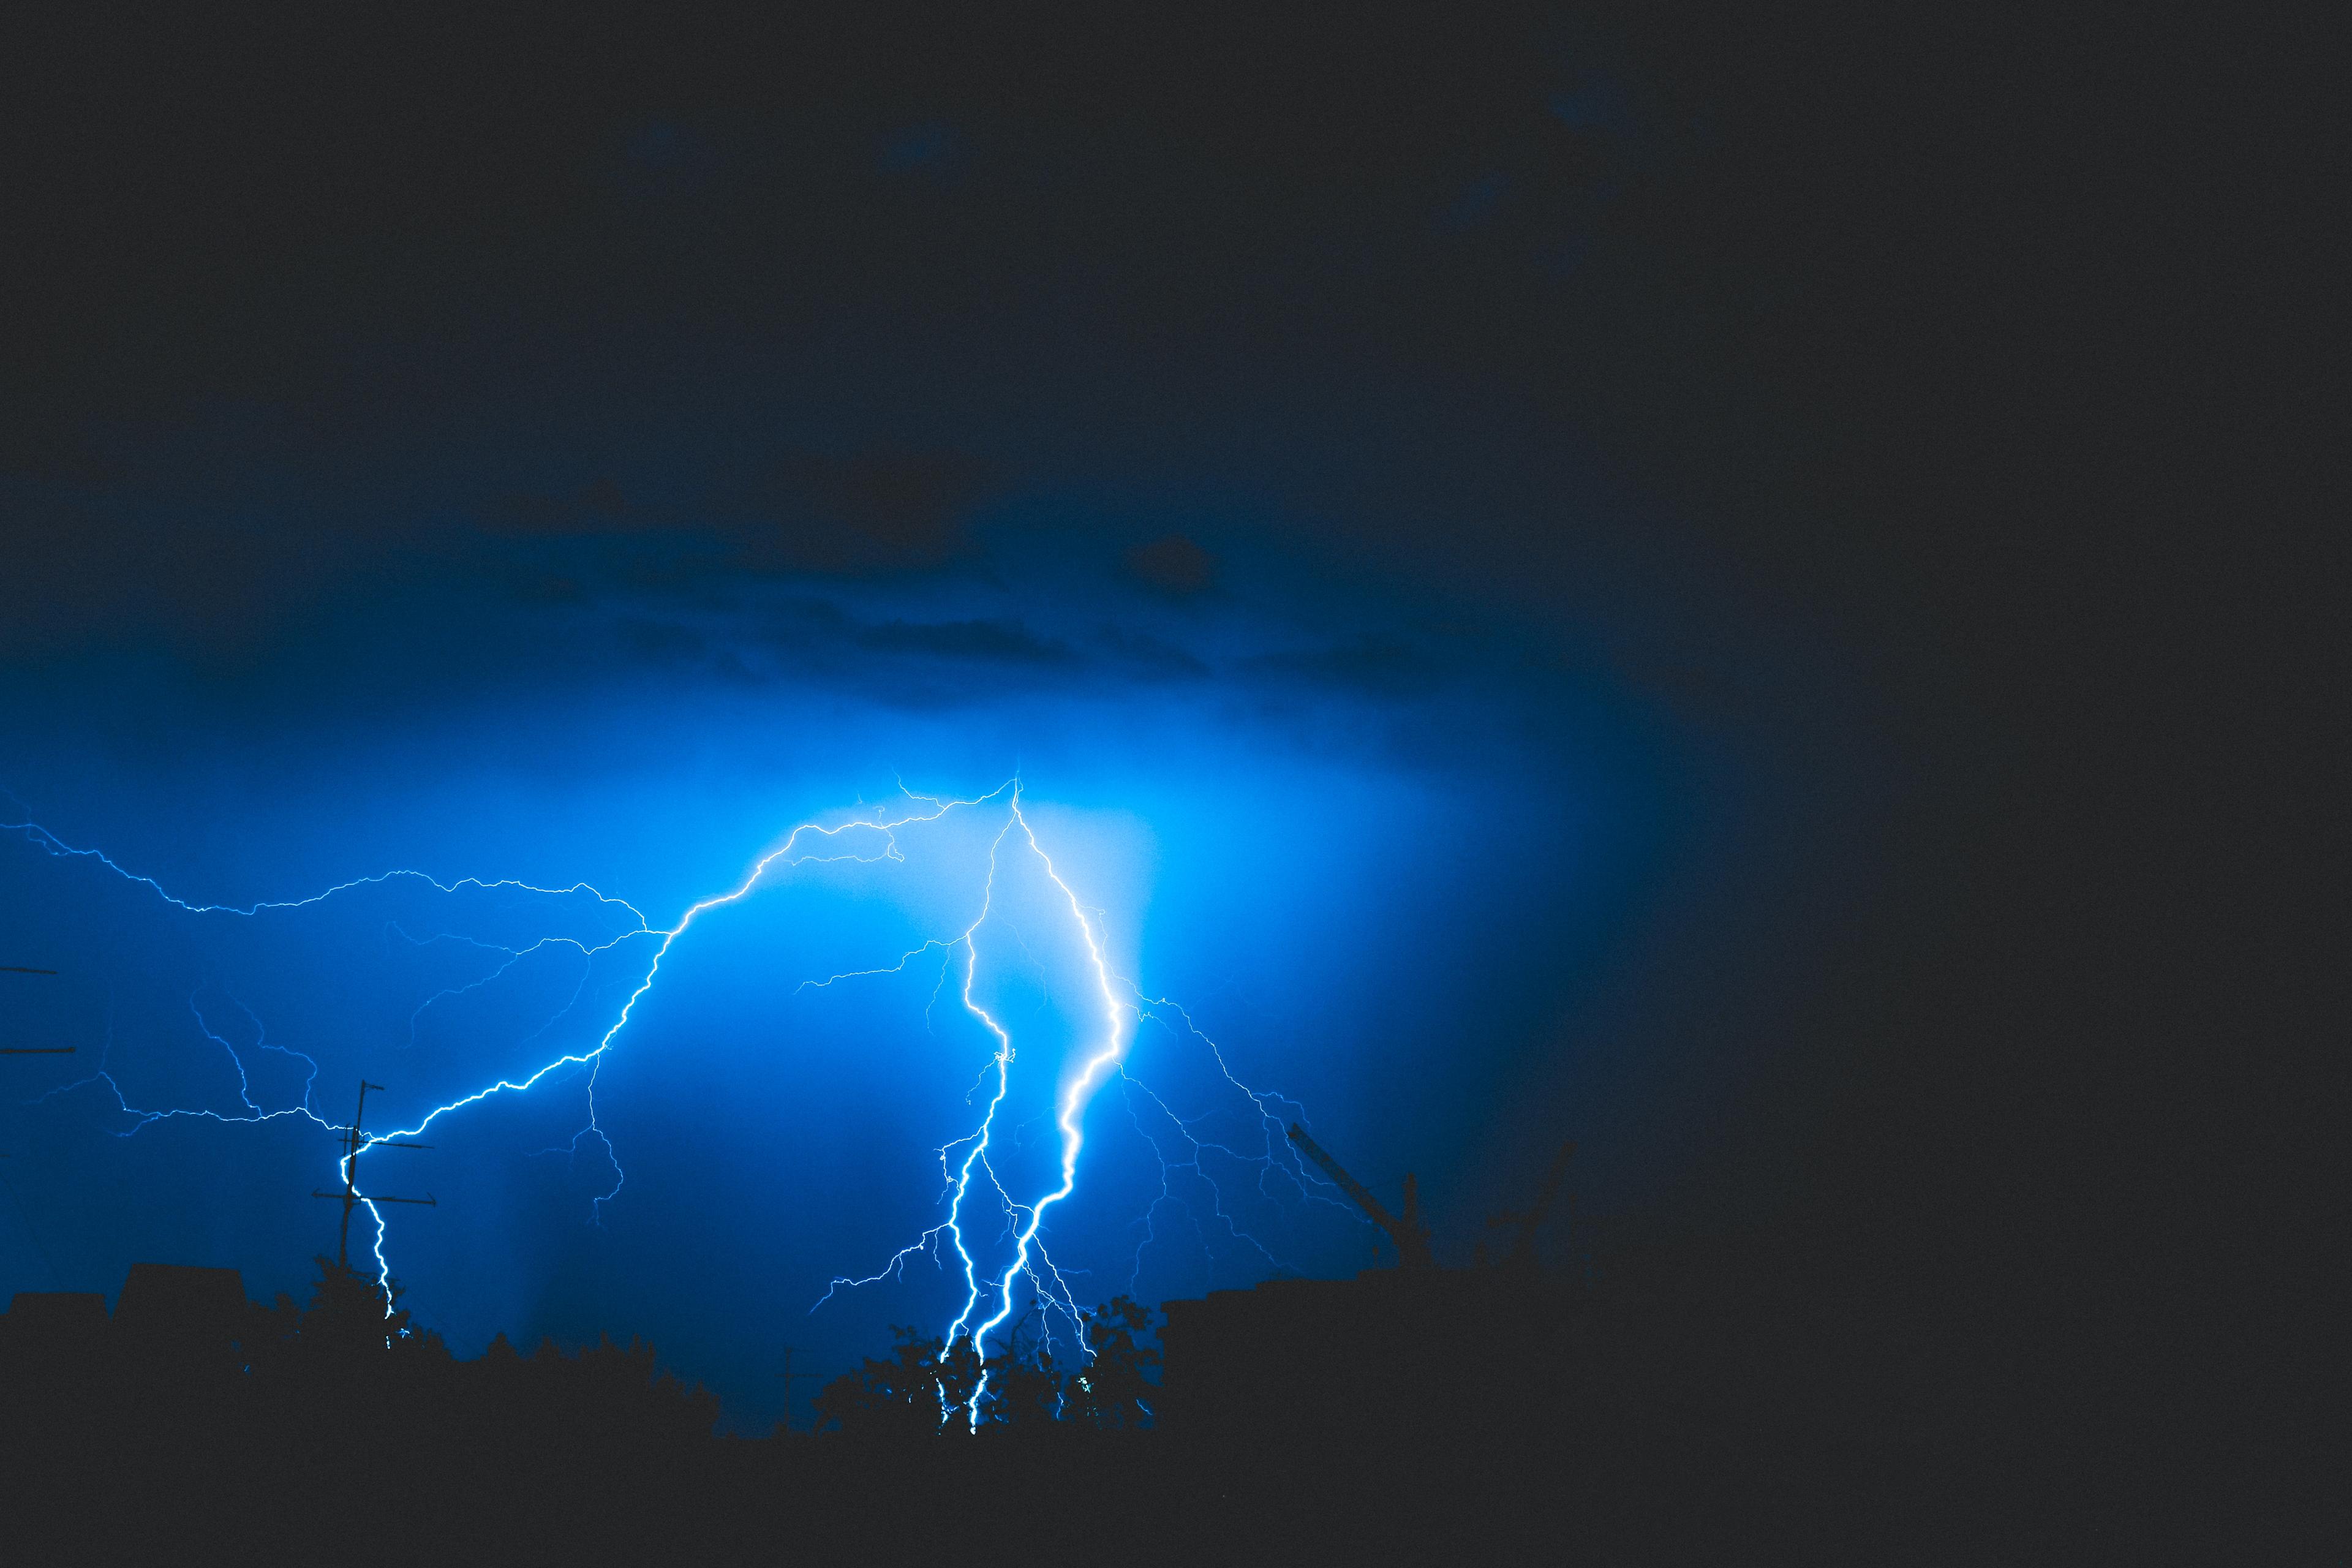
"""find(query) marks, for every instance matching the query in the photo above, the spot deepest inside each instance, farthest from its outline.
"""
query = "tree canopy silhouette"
(926, 1385)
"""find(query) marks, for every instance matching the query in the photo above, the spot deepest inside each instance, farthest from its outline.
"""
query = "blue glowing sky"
(1617, 573)
(1383, 857)
(1452, 783)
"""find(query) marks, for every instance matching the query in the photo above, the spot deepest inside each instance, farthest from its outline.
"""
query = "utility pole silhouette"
(1411, 1238)
(354, 1144)
(1523, 1244)
(788, 1374)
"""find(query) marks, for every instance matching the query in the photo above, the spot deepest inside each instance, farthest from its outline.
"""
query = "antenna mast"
(1523, 1245)
(1411, 1238)
(354, 1144)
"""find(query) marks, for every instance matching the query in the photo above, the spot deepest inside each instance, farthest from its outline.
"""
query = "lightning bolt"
(969, 1177)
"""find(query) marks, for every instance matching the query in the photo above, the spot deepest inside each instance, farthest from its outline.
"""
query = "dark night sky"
(1774, 428)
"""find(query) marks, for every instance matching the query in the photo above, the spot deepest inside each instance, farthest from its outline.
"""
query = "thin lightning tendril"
(990, 1298)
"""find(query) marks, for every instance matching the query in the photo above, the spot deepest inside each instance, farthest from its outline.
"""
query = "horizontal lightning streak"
(1122, 1008)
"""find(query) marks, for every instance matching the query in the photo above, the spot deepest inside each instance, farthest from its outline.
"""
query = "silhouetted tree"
(1026, 1394)
(352, 1314)
(1112, 1390)
(914, 1394)
(921, 1391)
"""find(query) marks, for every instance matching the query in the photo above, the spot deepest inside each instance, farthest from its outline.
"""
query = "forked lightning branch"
(975, 1189)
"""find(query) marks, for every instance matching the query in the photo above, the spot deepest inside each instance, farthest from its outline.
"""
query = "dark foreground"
(158, 1482)
(355, 1493)
(1454, 1417)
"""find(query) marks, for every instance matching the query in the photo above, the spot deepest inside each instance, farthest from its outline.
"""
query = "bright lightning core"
(1011, 947)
